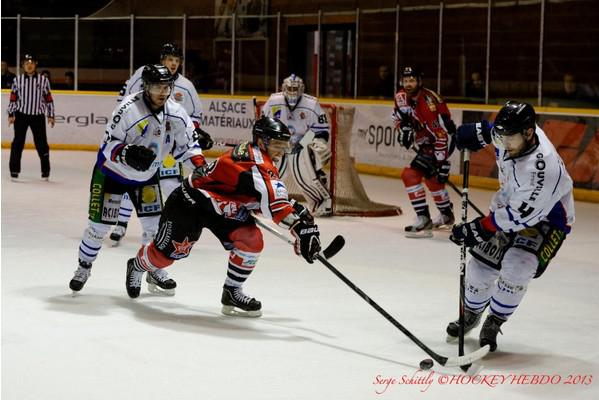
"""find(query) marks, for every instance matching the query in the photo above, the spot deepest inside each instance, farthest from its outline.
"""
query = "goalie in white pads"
(529, 218)
(302, 114)
(144, 128)
(184, 93)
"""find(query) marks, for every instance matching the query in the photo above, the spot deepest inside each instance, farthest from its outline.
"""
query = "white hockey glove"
(321, 148)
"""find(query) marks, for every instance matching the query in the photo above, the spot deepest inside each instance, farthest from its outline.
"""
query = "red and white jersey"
(243, 179)
(184, 93)
(306, 116)
(169, 130)
(427, 112)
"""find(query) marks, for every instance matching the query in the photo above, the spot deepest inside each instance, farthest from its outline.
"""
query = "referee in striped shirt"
(30, 98)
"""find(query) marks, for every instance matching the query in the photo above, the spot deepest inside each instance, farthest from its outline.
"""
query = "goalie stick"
(445, 361)
(333, 248)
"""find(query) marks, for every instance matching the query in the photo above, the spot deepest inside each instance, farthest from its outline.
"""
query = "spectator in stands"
(383, 88)
(475, 86)
(69, 80)
(7, 76)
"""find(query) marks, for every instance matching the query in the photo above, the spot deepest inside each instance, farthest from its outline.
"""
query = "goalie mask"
(274, 134)
(293, 89)
(514, 127)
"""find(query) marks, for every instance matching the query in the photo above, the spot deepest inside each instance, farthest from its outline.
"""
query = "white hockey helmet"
(293, 89)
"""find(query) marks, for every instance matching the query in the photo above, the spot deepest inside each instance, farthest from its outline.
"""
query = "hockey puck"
(426, 364)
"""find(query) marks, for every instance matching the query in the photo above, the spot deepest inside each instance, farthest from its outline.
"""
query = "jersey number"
(322, 119)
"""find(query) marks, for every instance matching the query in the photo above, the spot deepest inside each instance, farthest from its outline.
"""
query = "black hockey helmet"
(29, 58)
(411, 71)
(514, 117)
(156, 73)
(270, 128)
(170, 49)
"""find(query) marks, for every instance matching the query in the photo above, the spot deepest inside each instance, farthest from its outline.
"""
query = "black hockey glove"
(473, 136)
(203, 139)
(302, 212)
(426, 164)
(471, 233)
(307, 240)
(137, 157)
(406, 136)
(443, 171)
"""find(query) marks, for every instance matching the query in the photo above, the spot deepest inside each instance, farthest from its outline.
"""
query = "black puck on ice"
(426, 364)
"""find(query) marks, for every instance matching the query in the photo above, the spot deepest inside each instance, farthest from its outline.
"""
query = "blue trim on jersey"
(191, 97)
(175, 116)
(558, 179)
(101, 164)
(557, 217)
(135, 123)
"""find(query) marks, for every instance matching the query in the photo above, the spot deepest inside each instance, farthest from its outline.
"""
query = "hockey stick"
(333, 248)
(466, 359)
(446, 361)
(460, 192)
(463, 249)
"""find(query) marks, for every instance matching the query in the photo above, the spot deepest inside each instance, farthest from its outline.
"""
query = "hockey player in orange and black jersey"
(220, 196)
(425, 124)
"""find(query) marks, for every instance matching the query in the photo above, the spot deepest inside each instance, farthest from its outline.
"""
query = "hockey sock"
(241, 265)
(417, 197)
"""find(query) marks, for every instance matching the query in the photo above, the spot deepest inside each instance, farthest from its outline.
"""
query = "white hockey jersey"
(168, 131)
(183, 93)
(534, 187)
(306, 116)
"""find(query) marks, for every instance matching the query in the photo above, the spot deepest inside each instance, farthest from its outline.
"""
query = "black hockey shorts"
(542, 240)
(184, 217)
(106, 193)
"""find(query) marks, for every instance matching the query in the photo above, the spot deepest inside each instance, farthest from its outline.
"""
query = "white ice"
(316, 340)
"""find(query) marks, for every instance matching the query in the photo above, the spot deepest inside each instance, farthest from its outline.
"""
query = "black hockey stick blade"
(334, 247)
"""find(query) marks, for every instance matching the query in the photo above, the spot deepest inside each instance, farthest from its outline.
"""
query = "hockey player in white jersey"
(529, 218)
(186, 95)
(144, 128)
(302, 114)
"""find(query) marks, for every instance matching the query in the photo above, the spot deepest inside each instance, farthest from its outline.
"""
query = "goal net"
(346, 188)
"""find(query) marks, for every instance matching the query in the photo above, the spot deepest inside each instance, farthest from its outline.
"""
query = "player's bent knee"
(519, 266)
(151, 255)
(247, 238)
(411, 177)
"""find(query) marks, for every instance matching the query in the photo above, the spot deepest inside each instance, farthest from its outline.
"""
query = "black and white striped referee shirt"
(31, 95)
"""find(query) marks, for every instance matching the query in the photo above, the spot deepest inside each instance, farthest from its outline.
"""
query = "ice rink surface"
(316, 339)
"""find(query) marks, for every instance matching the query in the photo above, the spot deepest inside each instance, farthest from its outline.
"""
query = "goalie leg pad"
(312, 184)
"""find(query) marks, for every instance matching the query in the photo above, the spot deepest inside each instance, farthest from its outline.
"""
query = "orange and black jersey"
(243, 179)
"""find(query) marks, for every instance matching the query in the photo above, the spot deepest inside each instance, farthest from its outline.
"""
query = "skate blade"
(231, 311)
(74, 293)
(116, 243)
(442, 228)
(419, 235)
(154, 289)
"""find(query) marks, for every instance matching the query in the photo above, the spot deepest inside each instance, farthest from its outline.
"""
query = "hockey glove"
(471, 233)
(203, 138)
(307, 240)
(302, 212)
(473, 136)
(406, 136)
(426, 164)
(443, 171)
(137, 157)
(320, 147)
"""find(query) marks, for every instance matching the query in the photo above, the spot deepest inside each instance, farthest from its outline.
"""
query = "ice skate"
(81, 275)
(237, 304)
(421, 228)
(133, 279)
(14, 177)
(489, 331)
(160, 283)
(118, 233)
(444, 221)
(471, 321)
